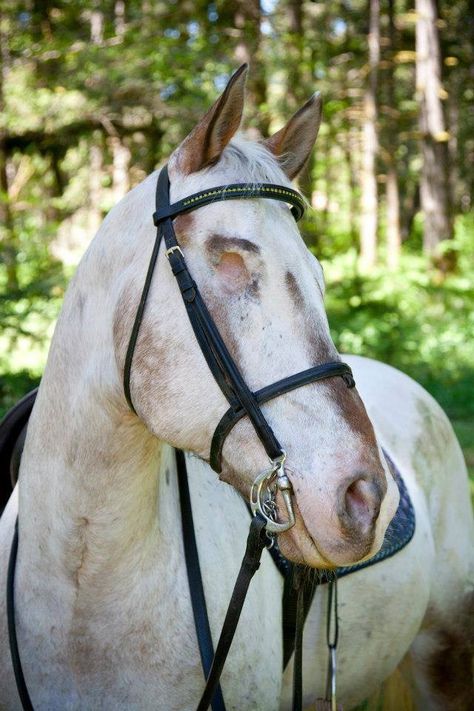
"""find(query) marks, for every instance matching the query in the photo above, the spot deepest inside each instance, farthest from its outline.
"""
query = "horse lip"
(292, 534)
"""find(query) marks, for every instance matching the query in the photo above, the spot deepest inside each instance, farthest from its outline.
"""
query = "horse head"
(265, 292)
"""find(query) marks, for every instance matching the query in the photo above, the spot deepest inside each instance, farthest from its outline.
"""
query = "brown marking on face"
(294, 290)
(253, 289)
(217, 244)
(320, 347)
(353, 412)
(184, 226)
(352, 409)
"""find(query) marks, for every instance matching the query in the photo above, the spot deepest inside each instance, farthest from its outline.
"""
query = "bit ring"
(265, 488)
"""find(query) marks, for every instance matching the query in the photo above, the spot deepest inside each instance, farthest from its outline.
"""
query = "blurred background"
(94, 95)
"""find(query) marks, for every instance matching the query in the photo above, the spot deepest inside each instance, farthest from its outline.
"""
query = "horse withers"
(103, 609)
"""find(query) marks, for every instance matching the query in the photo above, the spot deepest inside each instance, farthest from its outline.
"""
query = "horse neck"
(89, 484)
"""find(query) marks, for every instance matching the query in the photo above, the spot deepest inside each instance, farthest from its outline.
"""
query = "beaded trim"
(240, 189)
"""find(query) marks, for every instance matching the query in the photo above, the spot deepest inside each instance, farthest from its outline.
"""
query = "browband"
(235, 191)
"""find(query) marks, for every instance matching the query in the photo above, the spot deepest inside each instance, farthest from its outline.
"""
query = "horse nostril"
(360, 506)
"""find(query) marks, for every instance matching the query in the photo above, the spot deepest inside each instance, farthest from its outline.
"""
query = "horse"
(103, 608)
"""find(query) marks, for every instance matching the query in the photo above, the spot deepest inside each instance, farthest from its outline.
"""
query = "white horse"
(103, 609)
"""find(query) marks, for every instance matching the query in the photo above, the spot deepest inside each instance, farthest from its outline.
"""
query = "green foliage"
(13, 386)
(415, 322)
(76, 76)
(410, 320)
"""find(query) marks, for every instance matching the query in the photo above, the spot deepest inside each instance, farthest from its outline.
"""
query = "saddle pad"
(399, 533)
(12, 433)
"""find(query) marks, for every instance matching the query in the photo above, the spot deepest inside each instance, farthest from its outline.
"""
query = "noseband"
(242, 401)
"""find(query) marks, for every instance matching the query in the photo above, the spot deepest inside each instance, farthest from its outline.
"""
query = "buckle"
(175, 248)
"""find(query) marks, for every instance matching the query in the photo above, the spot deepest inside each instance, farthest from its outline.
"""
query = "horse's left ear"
(204, 145)
(293, 143)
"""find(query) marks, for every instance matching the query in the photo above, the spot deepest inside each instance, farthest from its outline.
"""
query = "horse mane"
(252, 162)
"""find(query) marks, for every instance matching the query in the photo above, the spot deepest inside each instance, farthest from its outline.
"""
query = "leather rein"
(242, 402)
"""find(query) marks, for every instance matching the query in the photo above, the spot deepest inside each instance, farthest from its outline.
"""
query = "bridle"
(242, 402)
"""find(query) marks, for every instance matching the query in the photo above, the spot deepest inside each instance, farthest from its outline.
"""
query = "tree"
(368, 221)
(434, 181)
(394, 238)
(7, 229)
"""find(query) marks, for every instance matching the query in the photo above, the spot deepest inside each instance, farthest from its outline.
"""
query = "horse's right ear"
(293, 143)
(204, 145)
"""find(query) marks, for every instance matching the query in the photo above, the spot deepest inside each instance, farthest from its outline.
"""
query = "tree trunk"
(7, 230)
(119, 17)
(434, 182)
(394, 235)
(97, 26)
(120, 166)
(368, 221)
(96, 166)
(299, 80)
(247, 19)
(351, 150)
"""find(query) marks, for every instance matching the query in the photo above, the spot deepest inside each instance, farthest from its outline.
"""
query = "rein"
(242, 402)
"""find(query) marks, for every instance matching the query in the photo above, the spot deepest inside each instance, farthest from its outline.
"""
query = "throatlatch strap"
(138, 320)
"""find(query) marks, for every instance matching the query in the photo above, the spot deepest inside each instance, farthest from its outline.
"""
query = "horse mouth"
(299, 545)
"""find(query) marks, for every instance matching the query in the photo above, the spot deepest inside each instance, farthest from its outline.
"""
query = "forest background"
(94, 95)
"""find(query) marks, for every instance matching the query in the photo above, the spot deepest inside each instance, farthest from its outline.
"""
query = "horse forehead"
(259, 219)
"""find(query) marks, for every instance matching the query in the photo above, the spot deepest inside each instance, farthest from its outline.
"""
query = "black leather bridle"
(242, 402)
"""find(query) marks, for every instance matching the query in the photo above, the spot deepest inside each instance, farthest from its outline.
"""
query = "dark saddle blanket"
(12, 437)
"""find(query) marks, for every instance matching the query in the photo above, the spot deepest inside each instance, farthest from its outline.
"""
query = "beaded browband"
(234, 191)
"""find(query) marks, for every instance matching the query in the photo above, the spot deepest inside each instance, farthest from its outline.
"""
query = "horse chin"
(301, 547)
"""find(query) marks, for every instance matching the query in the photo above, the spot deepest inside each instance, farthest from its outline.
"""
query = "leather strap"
(256, 542)
(14, 651)
(292, 382)
(196, 587)
(138, 320)
(298, 660)
(222, 365)
(234, 191)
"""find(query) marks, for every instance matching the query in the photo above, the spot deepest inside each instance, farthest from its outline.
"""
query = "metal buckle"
(175, 248)
(263, 493)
